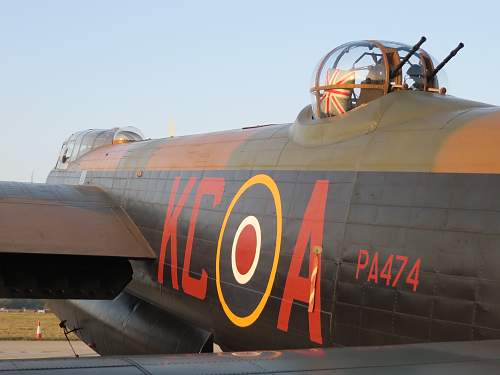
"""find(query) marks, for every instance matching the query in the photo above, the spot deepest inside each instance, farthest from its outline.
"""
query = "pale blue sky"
(207, 65)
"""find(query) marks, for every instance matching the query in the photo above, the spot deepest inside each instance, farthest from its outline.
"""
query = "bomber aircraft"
(372, 220)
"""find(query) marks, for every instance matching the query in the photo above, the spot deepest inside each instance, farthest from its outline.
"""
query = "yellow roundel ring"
(245, 321)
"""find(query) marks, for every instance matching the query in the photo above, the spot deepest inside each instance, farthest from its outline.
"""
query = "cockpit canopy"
(358, 72)
(79, 143)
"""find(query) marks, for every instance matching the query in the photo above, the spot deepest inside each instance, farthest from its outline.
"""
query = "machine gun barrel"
(414, 49)
(445, 61)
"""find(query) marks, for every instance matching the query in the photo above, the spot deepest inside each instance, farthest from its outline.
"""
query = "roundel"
(248, 250)
(245, 251)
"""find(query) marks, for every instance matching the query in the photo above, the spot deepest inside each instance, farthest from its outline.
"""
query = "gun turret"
(445, 61)
(414, 49)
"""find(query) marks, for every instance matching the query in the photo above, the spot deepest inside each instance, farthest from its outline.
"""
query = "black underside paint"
(56, 276)
(450, 222)
(129, 325)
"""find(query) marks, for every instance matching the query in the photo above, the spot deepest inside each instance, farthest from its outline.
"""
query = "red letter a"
(170, 230)
(297, 287)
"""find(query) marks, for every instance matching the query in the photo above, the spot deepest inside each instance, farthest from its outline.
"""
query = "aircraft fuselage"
(285, 236)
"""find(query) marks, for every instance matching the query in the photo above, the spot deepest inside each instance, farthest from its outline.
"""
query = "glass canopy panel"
(347, 77)
(356, 73)
(80, 143)
(420, 65)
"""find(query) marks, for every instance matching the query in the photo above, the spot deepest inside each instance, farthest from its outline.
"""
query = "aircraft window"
(414, 70)
(76, 141)
(80, 143)
(126, 135)
(419, 65)
(94, 139)
(101, 139)
(68, 152)
(349, 76)
(357, 73)
(414, 77)
(441, 78)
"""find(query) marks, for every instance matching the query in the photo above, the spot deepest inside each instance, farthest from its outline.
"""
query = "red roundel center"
(245, 249)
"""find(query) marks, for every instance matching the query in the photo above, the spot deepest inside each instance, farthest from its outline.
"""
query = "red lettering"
(413, 276)
(170, 230)
(192, 286)
(404, 260)
(296, 286)
(365, 264)
(386, 270)
(373, 274)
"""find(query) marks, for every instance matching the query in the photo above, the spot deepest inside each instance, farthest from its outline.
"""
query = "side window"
(69, 151)
(82, 142)
(347, 77)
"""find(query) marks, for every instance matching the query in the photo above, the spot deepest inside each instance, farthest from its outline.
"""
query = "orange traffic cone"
(38, 331)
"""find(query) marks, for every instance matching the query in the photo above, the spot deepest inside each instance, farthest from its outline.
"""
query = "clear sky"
(207, 65)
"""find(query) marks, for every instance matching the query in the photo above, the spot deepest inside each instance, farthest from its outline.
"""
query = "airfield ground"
(20, 349)
(22, 326)
(18, 337)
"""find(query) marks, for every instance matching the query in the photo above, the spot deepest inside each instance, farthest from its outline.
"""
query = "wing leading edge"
(66, 220)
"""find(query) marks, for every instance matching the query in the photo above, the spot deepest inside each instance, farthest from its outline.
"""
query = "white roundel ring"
(249, 222)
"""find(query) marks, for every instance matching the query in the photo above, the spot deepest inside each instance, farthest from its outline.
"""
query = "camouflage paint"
(385, 180)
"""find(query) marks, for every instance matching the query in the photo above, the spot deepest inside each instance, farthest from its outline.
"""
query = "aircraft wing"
(60, 241)
(457, 358)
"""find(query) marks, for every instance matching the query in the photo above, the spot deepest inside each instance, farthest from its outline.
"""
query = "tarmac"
(43, 349)
(19, 349)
